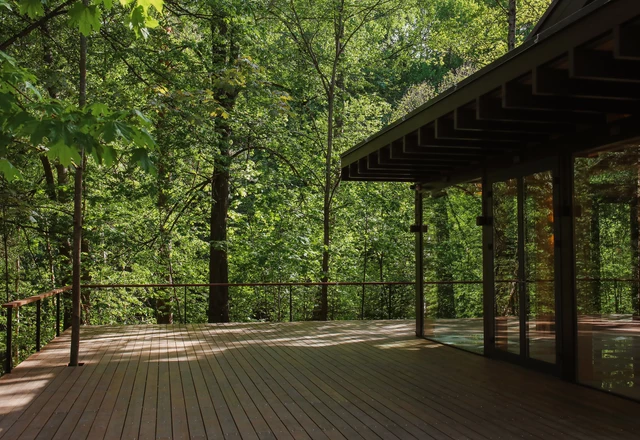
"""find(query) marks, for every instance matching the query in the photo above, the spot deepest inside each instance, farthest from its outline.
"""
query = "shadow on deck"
(294, 380)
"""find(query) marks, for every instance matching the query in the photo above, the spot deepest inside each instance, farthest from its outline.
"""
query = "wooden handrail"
(23, 302)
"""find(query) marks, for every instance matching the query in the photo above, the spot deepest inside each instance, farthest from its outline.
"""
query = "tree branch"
(36, 24)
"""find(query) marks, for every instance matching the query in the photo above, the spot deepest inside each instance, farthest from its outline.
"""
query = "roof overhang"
(576, 79)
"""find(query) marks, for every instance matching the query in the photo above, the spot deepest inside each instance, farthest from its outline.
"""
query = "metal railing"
(183, 313)
(16, 305)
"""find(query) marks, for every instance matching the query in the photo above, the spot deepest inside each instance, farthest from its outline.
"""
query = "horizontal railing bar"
(337, 283)
(23, 302)
(33, 299)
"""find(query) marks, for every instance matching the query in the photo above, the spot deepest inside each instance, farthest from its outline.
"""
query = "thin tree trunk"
(511, 18)
(77, 218)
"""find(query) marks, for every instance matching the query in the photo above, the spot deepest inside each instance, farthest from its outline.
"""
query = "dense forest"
(199, 142)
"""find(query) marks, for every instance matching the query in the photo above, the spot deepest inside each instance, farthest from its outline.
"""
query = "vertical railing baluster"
(57, 314)
(290, 303)
(38, 322)
(8, 361)
(185, 304)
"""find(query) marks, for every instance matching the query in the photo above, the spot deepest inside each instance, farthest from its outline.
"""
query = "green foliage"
(176, 86)
(86, 18)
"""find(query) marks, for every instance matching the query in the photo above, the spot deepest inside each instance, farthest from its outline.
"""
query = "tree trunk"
(224, 52)
(218, 263)
(511, 18)
(77, 218)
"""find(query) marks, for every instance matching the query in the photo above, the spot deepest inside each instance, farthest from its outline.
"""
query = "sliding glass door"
(524, 266)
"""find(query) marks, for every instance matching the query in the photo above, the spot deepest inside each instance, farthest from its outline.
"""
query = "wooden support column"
(566, 275)
(419, 249)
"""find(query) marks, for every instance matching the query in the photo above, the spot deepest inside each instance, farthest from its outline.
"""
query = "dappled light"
(243, 379)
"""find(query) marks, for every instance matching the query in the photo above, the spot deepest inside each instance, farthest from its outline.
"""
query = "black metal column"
(486, 222)
(419, 249)
(57, 314)
(8, 361)
(38, 323)
(565, 277)
(523, 306)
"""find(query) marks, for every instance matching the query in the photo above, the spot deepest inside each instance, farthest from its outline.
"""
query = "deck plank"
(310, 380)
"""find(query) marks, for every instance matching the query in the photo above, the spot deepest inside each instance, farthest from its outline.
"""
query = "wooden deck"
(338, 380)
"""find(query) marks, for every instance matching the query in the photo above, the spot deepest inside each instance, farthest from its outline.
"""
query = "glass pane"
(607, 188)
(453, 268)
(505, 239)
(539, 266)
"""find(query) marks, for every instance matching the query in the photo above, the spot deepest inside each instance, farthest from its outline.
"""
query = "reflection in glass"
(607, 189)
(507, 285)
(453, 253)
(539, 266)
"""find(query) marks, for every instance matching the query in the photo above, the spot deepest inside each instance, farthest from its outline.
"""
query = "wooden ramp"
(338, 380)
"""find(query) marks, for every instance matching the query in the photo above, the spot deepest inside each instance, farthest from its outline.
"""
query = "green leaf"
(87, 18)
(5, 4)
(141, 157)
(99, 109)
(114, 130)
(65, 154)
(157, 4)
(8, 58)
(108, 155)
(144, 139)
(32, 8)
(8, 170)
(145, 121)
(108, 4)
(35, 91)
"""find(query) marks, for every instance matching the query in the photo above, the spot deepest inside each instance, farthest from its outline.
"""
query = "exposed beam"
(360, 169)
(385, 157)
(548, 81)
(445, 129)
(488, 108)
(466, 119)
(427, 140)
(625, 39)
(602, 65)
(374, 163)
(517, 95)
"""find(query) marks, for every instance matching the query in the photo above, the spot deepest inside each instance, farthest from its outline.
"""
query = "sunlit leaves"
(86, 18)
(31, 8)
(8, 170)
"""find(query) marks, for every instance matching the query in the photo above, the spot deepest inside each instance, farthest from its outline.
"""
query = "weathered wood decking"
(301, 380)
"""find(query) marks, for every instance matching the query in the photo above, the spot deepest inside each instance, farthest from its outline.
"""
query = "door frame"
(519, 171)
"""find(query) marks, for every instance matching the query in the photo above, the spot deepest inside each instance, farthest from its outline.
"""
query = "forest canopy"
(208, 134)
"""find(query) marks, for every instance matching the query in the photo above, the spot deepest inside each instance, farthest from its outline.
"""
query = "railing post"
(185, 304)
(38, 321)
(290, 304)
(8, 360)
(57, 314)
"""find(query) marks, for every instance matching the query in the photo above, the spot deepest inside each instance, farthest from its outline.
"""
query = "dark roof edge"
(543, 19)
(587, 10)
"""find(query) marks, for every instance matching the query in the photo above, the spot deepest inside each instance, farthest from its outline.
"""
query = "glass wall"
(506, 266)
(607, 191)
(539, 266)
(453, 268)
